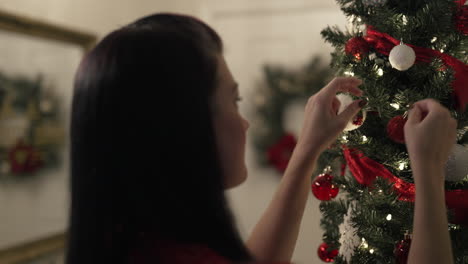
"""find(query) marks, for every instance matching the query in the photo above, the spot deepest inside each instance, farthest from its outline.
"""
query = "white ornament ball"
(345, 101)
(293, 116)
(456, 168)
(402, 57)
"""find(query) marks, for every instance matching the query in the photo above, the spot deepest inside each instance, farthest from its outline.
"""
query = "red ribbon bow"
(366, 170)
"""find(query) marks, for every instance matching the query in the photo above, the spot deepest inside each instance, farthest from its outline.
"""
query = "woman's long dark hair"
(144, 163)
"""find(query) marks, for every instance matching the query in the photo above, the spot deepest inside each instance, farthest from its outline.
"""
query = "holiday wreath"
(31, 127)
(279, 103)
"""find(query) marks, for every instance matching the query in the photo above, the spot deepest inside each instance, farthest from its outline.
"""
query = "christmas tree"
(404, 51)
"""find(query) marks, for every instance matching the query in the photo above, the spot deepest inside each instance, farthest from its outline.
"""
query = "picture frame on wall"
(37, 67)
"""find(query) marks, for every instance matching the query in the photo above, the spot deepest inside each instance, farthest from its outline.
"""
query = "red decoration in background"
(401, 250)
(357, 46)
(325, 253)
(24, 158)
(383, 43)
(461, 18)
(365, 170)
(280, 153)
(395, 129)
(323, 187)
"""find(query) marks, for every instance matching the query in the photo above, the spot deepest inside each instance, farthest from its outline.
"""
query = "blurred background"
(269, 44)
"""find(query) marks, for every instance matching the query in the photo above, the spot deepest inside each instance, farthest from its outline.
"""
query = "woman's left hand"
(322, 124)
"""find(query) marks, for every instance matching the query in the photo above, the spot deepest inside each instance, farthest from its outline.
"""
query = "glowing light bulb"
(395, 105)
(349, 73)
(364, 243)
(434, 39)
(402, 166)
(404, 19)
(389, 217)
(364, 138)
(380, 72)
(371, 251)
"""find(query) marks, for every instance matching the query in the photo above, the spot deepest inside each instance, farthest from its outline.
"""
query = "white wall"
(99, 16)
(254, 32)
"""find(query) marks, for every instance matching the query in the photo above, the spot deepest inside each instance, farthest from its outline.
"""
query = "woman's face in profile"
(230, 127)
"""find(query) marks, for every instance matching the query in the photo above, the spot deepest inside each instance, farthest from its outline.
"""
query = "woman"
(156, 139)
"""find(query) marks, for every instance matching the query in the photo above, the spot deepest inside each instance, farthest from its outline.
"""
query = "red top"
(182, 254)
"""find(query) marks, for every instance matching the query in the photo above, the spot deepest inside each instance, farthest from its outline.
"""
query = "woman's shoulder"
(175, 253)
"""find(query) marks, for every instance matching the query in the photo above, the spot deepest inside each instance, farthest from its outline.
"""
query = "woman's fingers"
(415, 115)
(432, 109)
(350, 112)
(335, 105)
(426, 104)
(342, 84)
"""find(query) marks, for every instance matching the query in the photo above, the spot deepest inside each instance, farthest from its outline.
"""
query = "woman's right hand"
(322, 124)
(430, 133)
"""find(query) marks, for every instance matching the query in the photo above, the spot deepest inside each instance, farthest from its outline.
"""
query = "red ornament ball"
(323, 187)
(357, 46)
(401, 250)
(325, 253)
(395, 129)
